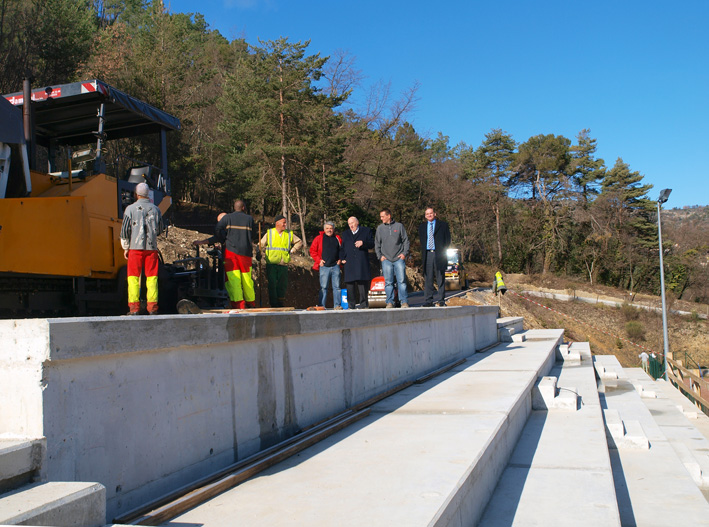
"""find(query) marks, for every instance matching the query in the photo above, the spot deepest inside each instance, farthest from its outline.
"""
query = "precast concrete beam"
(145, 404)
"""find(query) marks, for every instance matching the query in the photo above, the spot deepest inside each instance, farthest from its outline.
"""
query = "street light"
(664, 196)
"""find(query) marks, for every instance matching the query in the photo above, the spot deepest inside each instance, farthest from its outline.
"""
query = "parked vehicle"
(456, 276)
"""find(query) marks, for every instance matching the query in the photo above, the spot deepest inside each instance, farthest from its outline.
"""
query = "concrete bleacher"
(495, 442)
(528, 431)
(653, 485)
(433, 454)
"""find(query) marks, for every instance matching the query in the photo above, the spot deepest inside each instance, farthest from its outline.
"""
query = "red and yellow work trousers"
(137, 261)
(239, 284)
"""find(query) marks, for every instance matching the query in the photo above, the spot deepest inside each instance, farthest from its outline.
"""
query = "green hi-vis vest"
(278, 248)
(499, 284)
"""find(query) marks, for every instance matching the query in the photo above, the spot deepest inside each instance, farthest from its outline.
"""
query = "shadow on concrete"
(515, 474)
(625, 506)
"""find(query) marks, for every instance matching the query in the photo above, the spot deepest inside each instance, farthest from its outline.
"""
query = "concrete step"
(59, 504)
(20, 461)
(560, 471)
(678, 423)
(429, 455)
(643, 474)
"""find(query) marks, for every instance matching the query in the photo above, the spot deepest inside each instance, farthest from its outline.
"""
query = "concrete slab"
(639, 473)
(183, 396)
(428, 455)
(59, 504)
(560, 471)
(20, 461)
(553, 496)
(690, 445)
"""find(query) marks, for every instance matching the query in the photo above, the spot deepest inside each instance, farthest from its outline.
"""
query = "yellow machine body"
(61, 231)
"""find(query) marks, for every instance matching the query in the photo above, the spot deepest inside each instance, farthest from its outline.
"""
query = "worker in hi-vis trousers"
(142, 222)
(235, 232)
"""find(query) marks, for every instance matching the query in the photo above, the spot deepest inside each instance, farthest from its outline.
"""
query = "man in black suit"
(354, 254)
(435, 237)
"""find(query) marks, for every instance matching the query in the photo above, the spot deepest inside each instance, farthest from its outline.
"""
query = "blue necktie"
(430, 236)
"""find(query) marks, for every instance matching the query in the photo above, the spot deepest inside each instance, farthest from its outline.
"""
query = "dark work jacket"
(357, 259)
(442, 239)
(235, 230)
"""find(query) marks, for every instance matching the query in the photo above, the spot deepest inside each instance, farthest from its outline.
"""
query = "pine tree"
(490, 169)
(585, 168)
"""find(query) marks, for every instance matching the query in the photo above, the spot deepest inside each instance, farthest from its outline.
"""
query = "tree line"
(274, 123)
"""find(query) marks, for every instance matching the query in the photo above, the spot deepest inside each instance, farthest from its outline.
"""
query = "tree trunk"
(499, 234)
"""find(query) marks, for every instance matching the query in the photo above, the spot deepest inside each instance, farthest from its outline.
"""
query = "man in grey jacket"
(142, 222)
(392, 246)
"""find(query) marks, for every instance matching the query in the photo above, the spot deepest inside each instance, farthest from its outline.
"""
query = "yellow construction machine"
(60, 252)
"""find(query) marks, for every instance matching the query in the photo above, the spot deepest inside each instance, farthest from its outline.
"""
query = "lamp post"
(664, 195)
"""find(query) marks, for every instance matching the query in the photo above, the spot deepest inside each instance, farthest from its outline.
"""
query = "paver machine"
(60, 252)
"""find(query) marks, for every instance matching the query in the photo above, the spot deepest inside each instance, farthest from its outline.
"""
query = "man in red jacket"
(325, 251)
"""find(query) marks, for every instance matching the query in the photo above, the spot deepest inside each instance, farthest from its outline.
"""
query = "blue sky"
(636, 73)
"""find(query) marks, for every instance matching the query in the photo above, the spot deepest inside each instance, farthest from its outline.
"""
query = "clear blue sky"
(636, 73)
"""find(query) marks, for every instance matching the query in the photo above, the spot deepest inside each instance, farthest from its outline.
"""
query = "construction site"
(450, 416)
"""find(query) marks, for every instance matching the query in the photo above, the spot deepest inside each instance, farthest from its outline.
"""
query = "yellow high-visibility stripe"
(133, 289)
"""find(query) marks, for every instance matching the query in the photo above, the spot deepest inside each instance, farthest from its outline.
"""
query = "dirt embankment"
(619, 329)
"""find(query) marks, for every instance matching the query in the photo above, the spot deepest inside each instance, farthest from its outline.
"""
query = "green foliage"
(44, 39)
(629, 312)
(635, 330)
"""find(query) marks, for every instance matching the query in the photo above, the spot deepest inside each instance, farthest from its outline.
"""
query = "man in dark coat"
(354, 254)
(435, 238)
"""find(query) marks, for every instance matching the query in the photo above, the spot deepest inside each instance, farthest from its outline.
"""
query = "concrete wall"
(146, 404)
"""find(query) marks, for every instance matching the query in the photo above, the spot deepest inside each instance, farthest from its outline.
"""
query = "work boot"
(404, 304)
(390, 306)
(338, 308)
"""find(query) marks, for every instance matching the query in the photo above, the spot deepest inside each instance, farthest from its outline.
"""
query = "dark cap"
(279, 218)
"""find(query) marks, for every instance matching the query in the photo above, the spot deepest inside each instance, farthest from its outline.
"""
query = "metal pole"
(28, 121)
(662, 286)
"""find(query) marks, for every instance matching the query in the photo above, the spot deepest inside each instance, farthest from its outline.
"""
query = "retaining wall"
(144, 405)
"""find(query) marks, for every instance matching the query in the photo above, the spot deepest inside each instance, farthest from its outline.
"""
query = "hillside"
(607, 327)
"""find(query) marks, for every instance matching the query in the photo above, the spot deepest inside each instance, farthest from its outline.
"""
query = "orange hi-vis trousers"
(239, 283)
(137, 260)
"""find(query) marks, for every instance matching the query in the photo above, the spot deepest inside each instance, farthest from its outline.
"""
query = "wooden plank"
(683, 387)
(252, 310)
(187, 307)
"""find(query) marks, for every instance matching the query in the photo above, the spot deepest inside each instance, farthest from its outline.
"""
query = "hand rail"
(691, 385)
